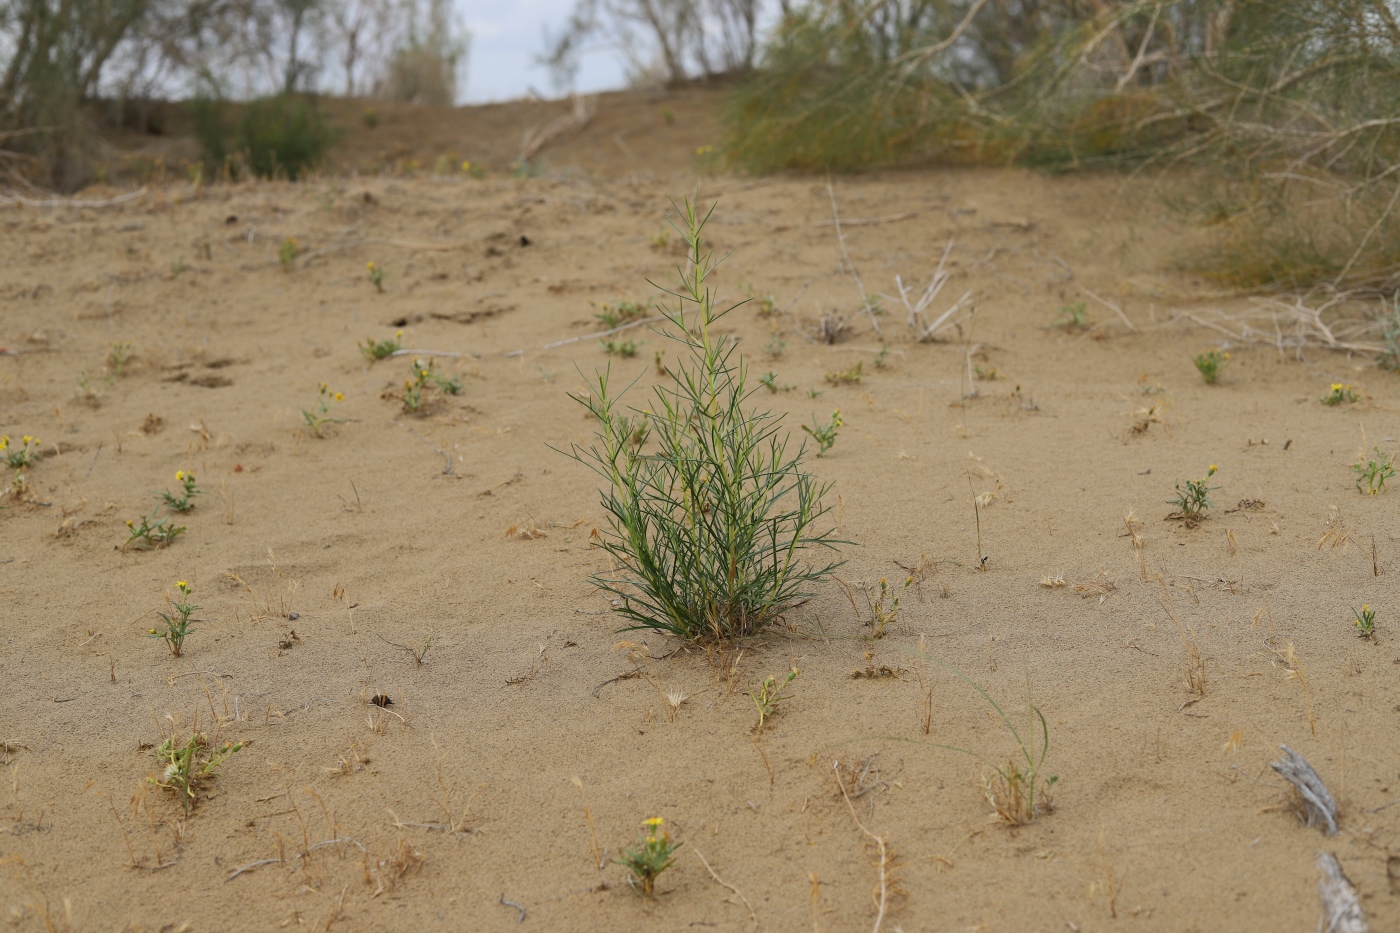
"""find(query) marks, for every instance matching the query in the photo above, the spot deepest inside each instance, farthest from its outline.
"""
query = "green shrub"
(709, 511)
(273, 137)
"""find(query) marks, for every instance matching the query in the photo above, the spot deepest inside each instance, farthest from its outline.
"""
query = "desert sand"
(521, 750)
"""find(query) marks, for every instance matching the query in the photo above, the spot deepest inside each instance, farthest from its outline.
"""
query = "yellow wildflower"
(179, 476)
(654, 821)
(181, 584)
(340, 396)
(4, 441)
(466, 166)
(370, 266)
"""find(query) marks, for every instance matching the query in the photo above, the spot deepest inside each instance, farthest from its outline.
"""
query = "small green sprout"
(623, 348)
(118, 356)
(881, 612)
(151, 533)
(775, 347)
(825, 434)
(188, 490)
(769, 695)
(178, 266)
(849, 377)
(287, 253)
(1210, 363)
(376, 278)
(769, 380)
(26, 455)
(381, 349)
(177, 621)
(1193, 497)
(318, 419)
(1340, 392)
(622, 312)
(1074, 316)
(650, 857)
(190, 764)
(1371, 477)
(1365, 621)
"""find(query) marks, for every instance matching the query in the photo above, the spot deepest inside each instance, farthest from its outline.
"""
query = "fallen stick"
(1317, 802)
(1110, 306)
(605, 333)
(865, 221)
(1341, 908)
(883, 899)
(752, 916)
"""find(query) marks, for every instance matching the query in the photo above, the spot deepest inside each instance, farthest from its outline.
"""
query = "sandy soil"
(518, 749)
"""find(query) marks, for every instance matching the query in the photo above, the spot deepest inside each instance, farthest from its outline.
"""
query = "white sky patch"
(507, 38)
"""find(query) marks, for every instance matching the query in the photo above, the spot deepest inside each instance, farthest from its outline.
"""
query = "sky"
(507, 35)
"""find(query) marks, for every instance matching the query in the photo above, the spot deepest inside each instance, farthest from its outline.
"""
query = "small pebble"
(293, 616)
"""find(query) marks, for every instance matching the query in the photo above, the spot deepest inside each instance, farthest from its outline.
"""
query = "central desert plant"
(709, 510)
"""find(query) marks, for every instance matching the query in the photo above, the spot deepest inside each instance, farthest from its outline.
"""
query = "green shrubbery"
(272, 137)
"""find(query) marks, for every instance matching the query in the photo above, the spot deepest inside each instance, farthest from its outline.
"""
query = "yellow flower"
(130, 523)
(370, 266)
(1211, 471)
(324, 387)
(4, 441)
(340, 396)
(27, 438)
(654, 821)
(398, 334)
(466, 166)
(1337, 387)
(182, 584)
(153, 631)
(179, 476)
(1365, 608)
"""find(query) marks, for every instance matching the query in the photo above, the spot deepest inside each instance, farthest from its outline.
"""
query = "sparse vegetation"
(182, 501)
(708, 532)
(647, 859)
(23, 456)
(623, 348)
(1210, 363)
(176, 622)
(824, 434)
(317, 418)
(1372, 472)
(1339, 393)
(376, 278)
(381, 349)
(187, 766)
(771, 693)
(1365, 621)
(152, 533)
(1193, 496)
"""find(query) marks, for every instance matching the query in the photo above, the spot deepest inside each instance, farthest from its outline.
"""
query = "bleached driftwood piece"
(1317, 802)
(1341, 908)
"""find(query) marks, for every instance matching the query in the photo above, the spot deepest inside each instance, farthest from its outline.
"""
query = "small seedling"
(649, 858)
(884, 607)
(26, 455)
(178, 266)
(151, 533)
(815, 393)
(1193, 497)
(177, 621)
(1210, 363)
(118, 356)
(1365, 621)
(191, 764)
(986, 375)
(775, 347)
(417, 396)
(1339, 393)
(1073, 317)
(376, 278)
(622, 312)
(287, 253)
(318, 419)
(380, 349)
(448, 385)
(623, 348)
(770, 382)
(825, 434)
(419, 655)
(882, 358)
(769, 695)
(657, 364)
(849, 377)
(86, 391)
(188, 490)
(660, 240)
(1371, 476)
